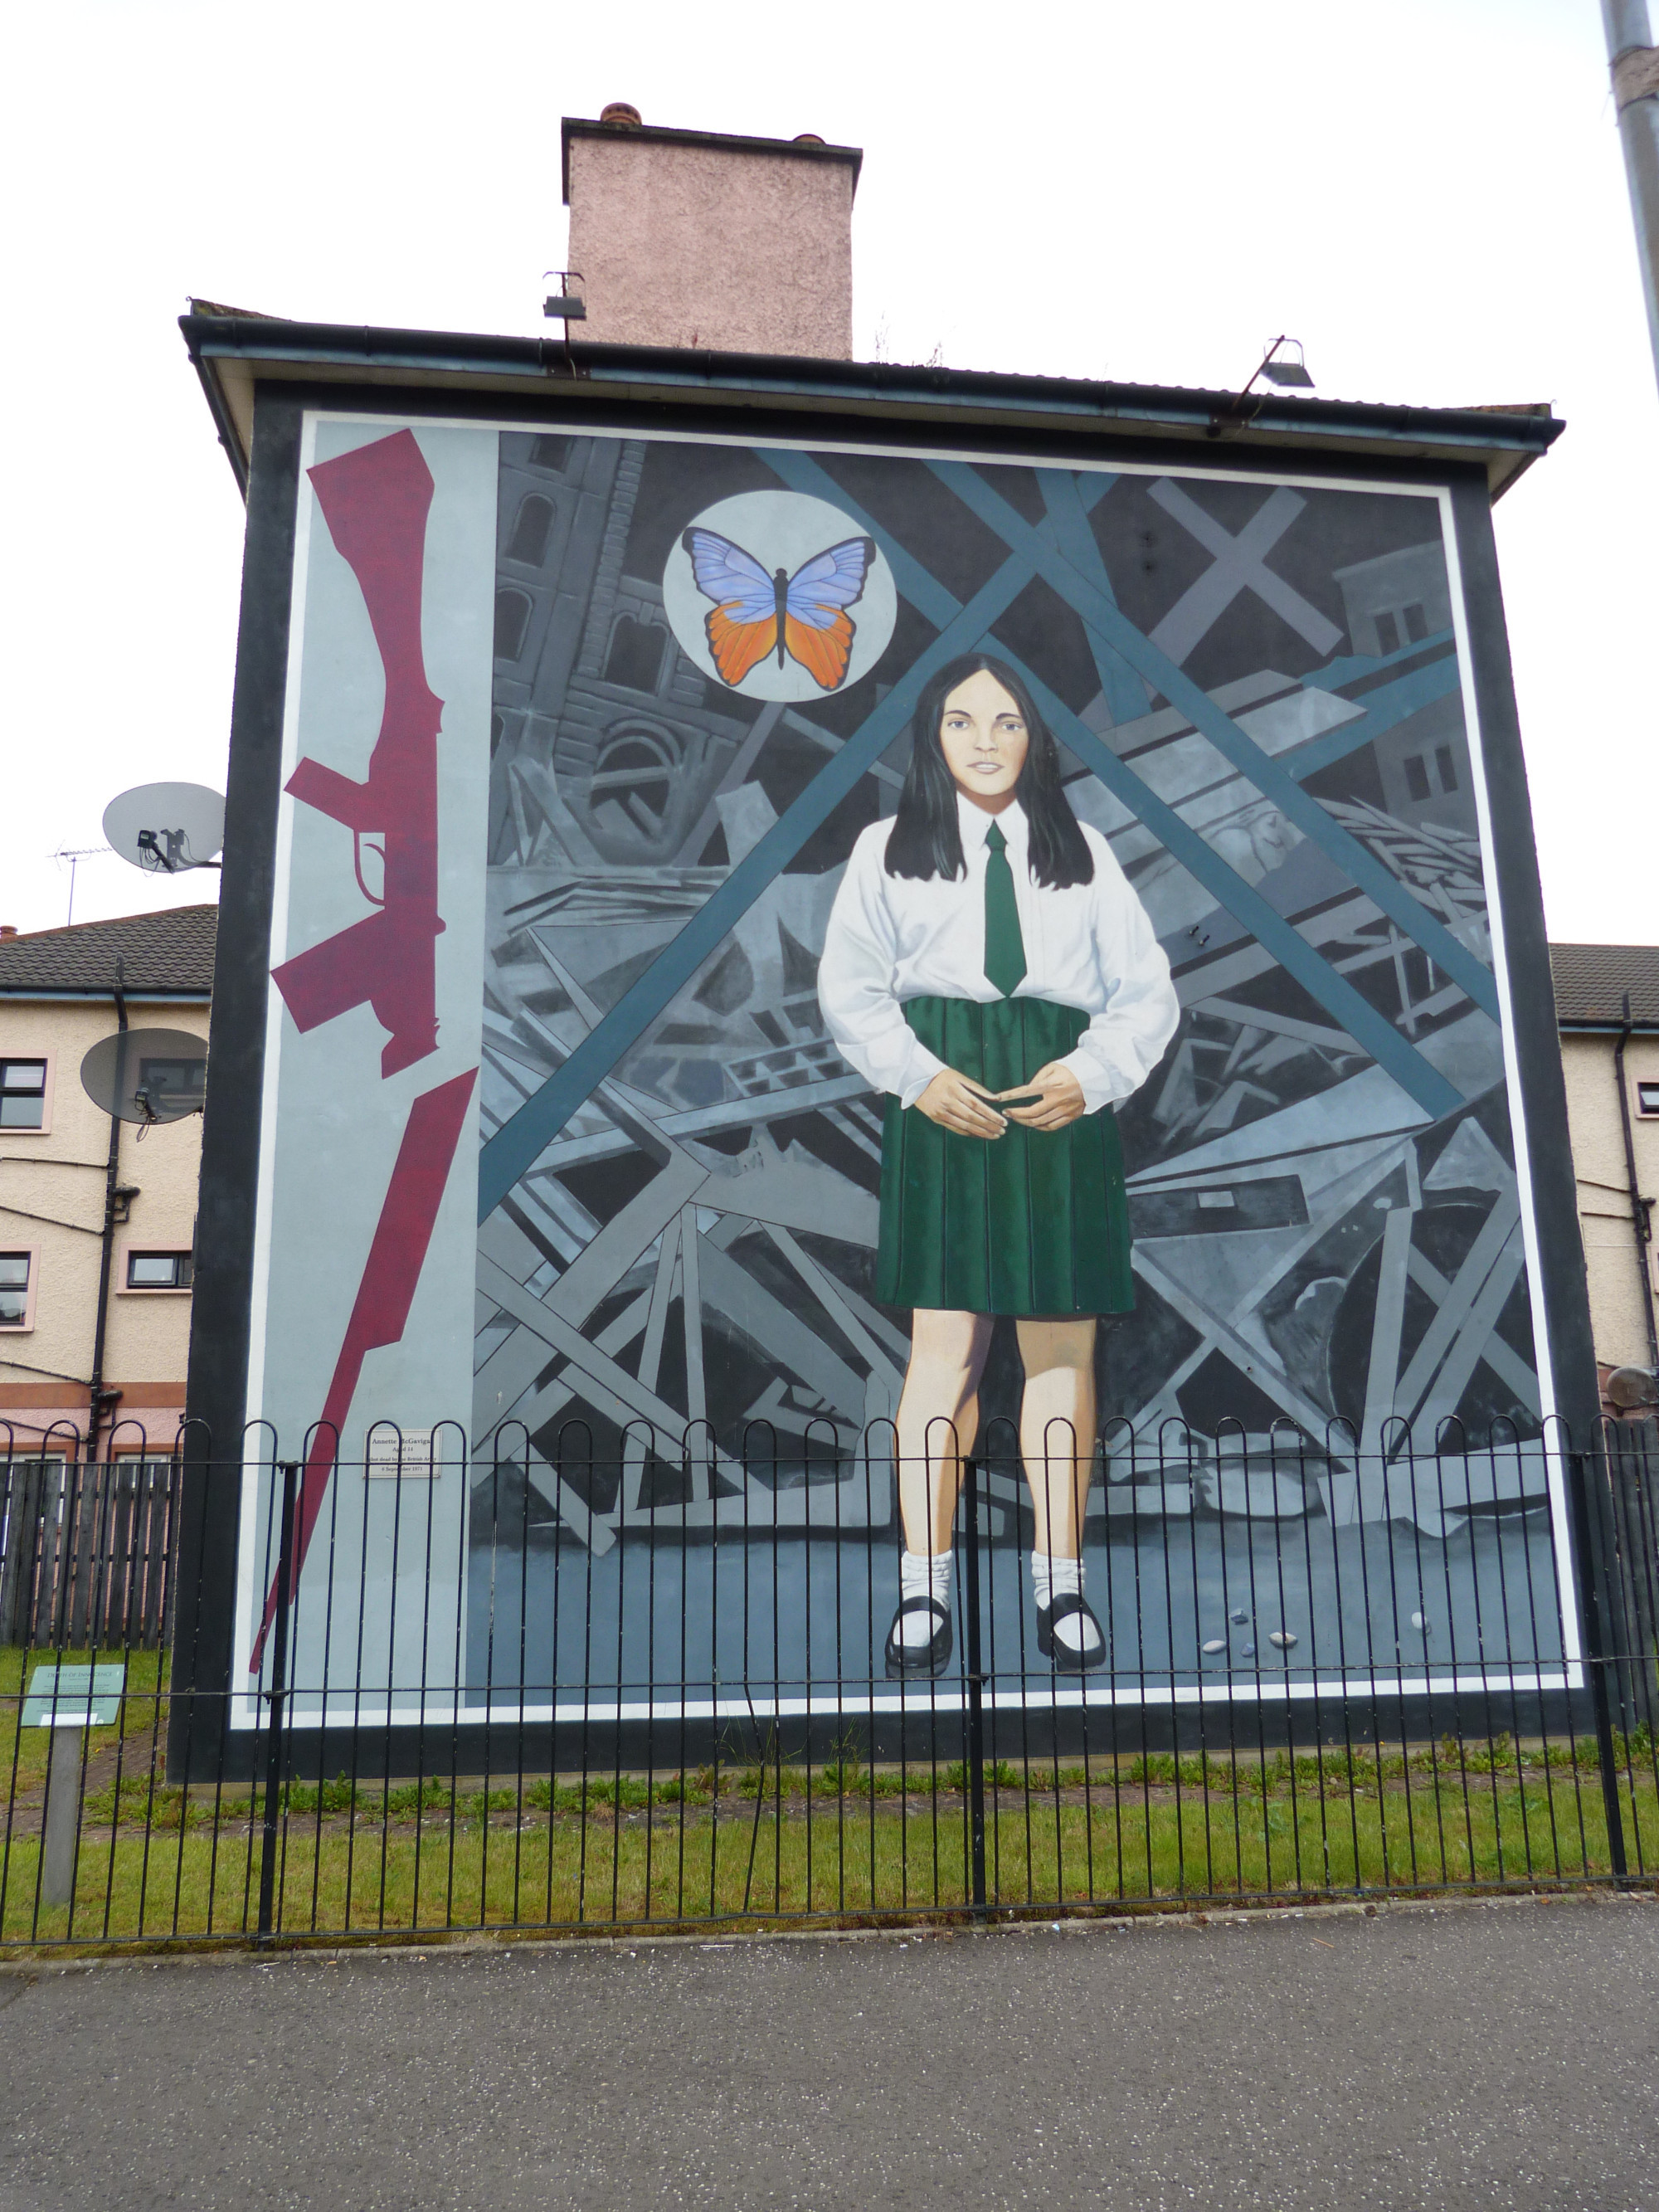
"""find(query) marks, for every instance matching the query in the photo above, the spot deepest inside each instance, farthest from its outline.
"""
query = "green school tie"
(1004, 948)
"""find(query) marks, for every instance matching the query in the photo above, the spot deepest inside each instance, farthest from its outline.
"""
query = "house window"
(530, 531)
(16, 1268)
(1417, 776)
(1417, 625)
(1647, 1097)
(23, 1094)
(160, 1271)
(1447, 766)
(180, 1086)
(549, 453)
(512, 621)
(1388, 634)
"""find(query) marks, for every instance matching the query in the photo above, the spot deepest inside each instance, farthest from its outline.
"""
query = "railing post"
(268, 1847)
(1593, 1581)
(974, 1708)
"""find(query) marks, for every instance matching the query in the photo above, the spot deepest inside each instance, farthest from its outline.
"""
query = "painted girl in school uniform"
(987, 967)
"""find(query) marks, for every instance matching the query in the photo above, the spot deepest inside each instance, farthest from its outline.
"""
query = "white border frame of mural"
(328, 621)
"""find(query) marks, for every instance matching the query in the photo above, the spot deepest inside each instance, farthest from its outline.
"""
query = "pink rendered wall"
(695, 245)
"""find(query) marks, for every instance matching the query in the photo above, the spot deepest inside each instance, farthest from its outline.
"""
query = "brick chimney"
(691, 237)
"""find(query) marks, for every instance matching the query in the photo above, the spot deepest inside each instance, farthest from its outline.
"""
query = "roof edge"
(230, 353)
(175, 994)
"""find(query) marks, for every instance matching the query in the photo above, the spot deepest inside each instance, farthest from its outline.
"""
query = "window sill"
(157, 1291)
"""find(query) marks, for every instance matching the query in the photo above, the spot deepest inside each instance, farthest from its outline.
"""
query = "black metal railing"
(581, 1684)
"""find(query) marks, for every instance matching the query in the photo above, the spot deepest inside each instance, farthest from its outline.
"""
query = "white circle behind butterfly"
(743, 559)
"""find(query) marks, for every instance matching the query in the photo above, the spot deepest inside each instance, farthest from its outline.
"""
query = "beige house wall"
(1620, 1298)
(59, 1174)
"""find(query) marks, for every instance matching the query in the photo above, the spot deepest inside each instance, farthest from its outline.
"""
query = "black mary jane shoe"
(929, 1658)
(1068, 1659)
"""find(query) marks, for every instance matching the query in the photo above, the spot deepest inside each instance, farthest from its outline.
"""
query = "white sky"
(1428, 192)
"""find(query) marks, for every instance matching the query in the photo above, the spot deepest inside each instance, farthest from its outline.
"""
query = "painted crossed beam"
(1122, 654)
(1098, 611)
(520, 1141)
(1370, 1029)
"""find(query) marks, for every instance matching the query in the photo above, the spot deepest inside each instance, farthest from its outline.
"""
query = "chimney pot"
(621, 115)
(8, 929)
(810, 138)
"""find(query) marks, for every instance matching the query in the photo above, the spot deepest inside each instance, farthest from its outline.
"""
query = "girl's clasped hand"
(1053, 1098)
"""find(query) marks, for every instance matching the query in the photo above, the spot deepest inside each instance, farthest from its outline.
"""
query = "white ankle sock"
(922, 1577)
(1057, 1578)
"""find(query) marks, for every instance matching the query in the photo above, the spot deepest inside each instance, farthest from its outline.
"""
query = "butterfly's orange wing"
(738, 646)
(824, 653)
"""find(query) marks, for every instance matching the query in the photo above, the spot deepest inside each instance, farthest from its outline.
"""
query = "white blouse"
(890, 939)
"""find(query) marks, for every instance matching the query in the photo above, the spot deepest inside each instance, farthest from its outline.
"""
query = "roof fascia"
(231, 354)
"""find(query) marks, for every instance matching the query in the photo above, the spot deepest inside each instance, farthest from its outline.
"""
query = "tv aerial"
(147, 1076)
(166, 829)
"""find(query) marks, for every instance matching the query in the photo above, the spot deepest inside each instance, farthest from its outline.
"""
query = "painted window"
(1417, 777)
(635, 659)
(160, 1271)
(23, 1094)
(1388, 634)
(15, 1269)
(549, 453)
(530, 530)
(512, 620)
(1417, 625)
(1447, 766)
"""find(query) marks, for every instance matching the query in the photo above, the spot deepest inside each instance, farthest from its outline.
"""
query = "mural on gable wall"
(1256, 697)
(998, 946)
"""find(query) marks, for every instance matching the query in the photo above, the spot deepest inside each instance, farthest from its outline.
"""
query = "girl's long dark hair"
(926, 840)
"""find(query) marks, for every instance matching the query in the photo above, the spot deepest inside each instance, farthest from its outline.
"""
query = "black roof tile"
(171, 952)
(1591, 980)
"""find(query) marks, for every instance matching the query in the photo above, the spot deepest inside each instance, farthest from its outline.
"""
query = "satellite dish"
(147, 1075)
(166, 828)
(1627, 1387)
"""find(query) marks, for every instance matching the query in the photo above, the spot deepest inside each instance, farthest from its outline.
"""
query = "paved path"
(1464, 2056)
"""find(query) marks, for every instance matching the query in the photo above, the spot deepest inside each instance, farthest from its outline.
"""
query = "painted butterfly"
(803, 615)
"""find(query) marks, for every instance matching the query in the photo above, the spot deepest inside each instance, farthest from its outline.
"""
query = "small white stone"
(1419, 1620)
(1239, 1617)
(1216, 1644)
(1282, 1639)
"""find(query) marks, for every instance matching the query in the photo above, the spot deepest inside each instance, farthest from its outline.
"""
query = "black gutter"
(297, 345)
(1641, 1209)
(240, 463)
(100, 1397)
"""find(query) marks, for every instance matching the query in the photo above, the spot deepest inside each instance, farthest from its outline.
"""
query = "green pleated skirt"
(1033, 1222)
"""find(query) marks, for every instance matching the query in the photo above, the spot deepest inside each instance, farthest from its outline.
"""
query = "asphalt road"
(1466, 2055)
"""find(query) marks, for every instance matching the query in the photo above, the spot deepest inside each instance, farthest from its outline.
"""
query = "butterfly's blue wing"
(734, 579)
(831, 580)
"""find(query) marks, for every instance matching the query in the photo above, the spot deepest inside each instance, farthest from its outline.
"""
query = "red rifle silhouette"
(375, 501)
(381, 1313)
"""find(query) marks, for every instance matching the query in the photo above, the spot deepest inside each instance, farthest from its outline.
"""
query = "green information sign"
(74, 1697)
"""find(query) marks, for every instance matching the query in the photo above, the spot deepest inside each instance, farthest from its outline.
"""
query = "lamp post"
(1635, 66)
